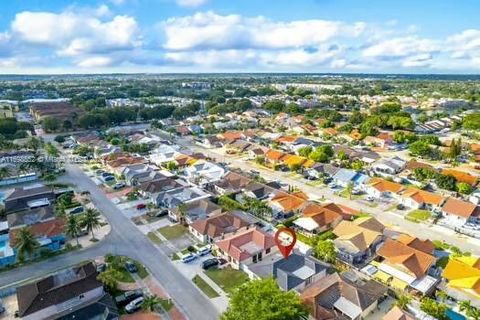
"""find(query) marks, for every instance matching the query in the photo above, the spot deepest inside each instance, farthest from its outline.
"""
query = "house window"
(267, 251)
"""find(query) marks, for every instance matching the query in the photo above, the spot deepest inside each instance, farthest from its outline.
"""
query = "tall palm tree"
(150, 303)
(4, 172)
(73, 227)
(349, 190)
(91, 221)
(403, 301)
(26, 244)
(464, 306)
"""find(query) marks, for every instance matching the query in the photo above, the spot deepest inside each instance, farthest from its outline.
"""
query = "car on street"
(188, 257)
(134, 305)
(119, 185)
(127, 297)
(210, 263)
(333, 185)
(77, 210)
(141, 206)
(108, 178)
(131, 267)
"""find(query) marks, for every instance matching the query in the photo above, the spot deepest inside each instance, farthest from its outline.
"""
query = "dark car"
(141, 206)
(125, 298)
(131, 267)
(77, 210)
(209, 263)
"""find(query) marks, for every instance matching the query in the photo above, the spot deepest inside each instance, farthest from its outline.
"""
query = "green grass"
(227, 278)
(154, 238)
(166, 304)
(418, 215)
(175, 256)
(124, 276)
(316, 183)
(205, 287)
(142, 272)
(173, 232)
(344, 194)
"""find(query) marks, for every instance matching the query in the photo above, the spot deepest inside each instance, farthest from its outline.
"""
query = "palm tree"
(109, 278)
(26, 244)
(91, 221)
(349, 190)
(4, 172)
(473, 313)
(150, 303)
(182, 210)
(403, 301)
(73, 228)
(464, 306)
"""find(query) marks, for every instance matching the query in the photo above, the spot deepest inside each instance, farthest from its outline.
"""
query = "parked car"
(127, 297)
(77, 210)
(202, 251)
(210, 263)
(400, 206)
(131, 267)
(188, 257)
(370, 198)
(119, 185)
(134, 305)
(160, 213)
(141, 206)
(109, 178)
(333, 185)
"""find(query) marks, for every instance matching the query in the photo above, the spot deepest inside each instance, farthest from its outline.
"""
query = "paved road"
(124, 239)
(390, 219)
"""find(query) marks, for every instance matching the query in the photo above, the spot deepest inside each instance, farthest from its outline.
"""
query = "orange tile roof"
(231, 135)
(461, 176)
(383, 185)
(235, 246)
(475, 147)
(426, 245)
(48, 229)
(290, 202)
(398, 314)
(345, 211)
(422, 196)
(398, 254)
(330, 131)
(355, 135)
(287, 139)
(460, 208)
(274, 155)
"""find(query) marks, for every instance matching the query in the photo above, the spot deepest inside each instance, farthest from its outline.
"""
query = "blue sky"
(59, 36)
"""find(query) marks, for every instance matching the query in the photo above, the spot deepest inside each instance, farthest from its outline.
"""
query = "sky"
(158, 36)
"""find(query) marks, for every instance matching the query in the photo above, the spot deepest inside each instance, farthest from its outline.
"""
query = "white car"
(202, 251)
(134, 305)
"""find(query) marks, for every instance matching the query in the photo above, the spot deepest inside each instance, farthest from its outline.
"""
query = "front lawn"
(173, 232)
(154, 238)
(227, 278)
(418, 215)
(205, 287)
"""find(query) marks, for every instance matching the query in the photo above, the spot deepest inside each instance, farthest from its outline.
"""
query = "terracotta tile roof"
(422, 196)
(274, 155)
(461, 176)
(231, 135)
(384, 136)
(219, 224)
(345, 211)
(354, 236)
(321, 215)
(184, 160)
(287, 139)
(406, 258)
(47, 229)
(475, 147)
(239, 246)
(330, 131)
(460, 208)
(383, 185)
(426, 245)
(290, 202)
(412, 165)
(355, 135)
(398, 314)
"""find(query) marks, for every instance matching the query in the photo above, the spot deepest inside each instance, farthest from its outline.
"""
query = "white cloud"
(74, 33)
(95, 62)
(213, 31)
(401, 47)
(191, 3)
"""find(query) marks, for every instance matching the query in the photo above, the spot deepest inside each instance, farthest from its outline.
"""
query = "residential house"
(462, 279)
(398, 314)
(117, 162)
(30, 216)
(255, 152)
(407, 261)
(257, 191)
(285, 204)
(29, 197)
(245, 247)
(421, 199)
(219, 226)
(274, 157)
(163, 154)
(382, 140)
(413, 164)
(344, 177)
(104, 309)
(153, 187)
(358, 240)
(343, 296)
(15, 175)
(316, 219)
(58, 294)
(194, 210)
(346, 212)
(294, 273)
(173, 198)
(320, 170)
(211, 142)
(203, 172)
(231, 183)
(389, 166)
(458, 212)
(183, 160)
(461, 176)
(381, 188)
(238, 146)
(138, 173)
(230, 136)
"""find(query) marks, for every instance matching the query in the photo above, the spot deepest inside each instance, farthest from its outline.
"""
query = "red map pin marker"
(285, 239)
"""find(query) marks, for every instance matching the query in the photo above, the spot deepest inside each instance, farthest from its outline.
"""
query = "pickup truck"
(127, 297)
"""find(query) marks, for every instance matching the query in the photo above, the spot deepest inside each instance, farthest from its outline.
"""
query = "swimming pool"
(452, 315)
